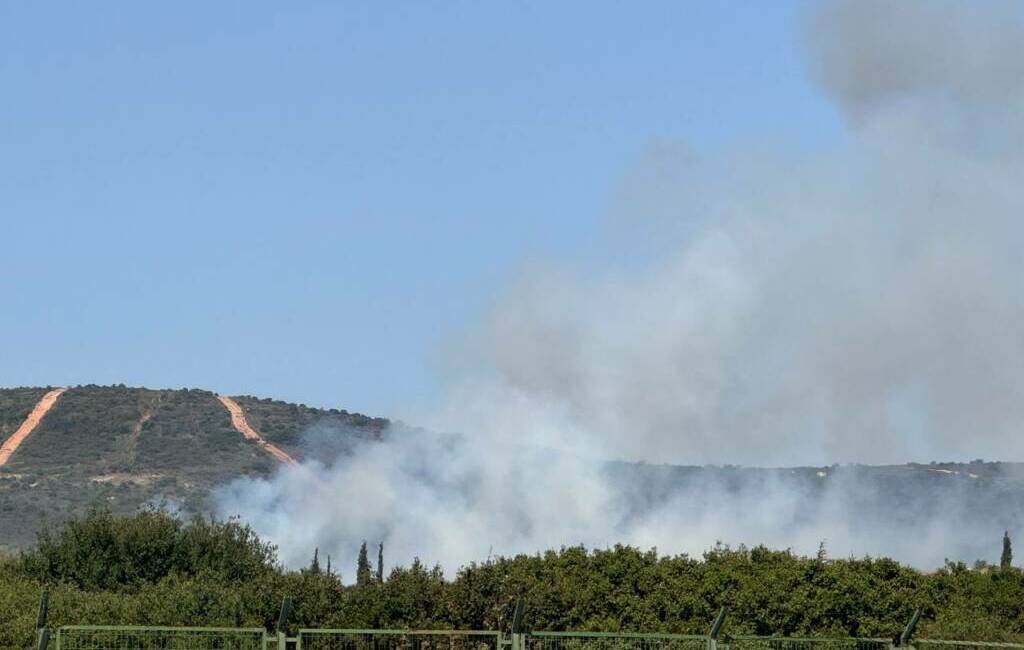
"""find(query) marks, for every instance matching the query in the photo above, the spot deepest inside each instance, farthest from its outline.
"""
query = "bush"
(107, 552)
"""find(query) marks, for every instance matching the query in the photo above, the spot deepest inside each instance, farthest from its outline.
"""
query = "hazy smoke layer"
(453, 500)
(858, 305)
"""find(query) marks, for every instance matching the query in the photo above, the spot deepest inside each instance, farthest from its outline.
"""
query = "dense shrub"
(153, 569)
(107, 552)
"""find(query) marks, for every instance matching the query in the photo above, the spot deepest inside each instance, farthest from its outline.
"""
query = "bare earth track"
(242, 426)
(31, 422)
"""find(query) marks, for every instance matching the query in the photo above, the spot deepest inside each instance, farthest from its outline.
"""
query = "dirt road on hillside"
(31, 422)
(242, 426)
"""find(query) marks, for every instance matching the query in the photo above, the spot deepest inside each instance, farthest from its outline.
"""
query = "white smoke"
(862, 305)
(859, 305)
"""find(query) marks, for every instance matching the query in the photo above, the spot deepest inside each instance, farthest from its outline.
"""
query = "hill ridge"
(120, 448)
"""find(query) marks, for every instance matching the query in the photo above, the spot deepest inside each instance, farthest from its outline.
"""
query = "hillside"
(122, 447)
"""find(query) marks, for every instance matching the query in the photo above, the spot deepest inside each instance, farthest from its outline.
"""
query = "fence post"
(42, 634)
(716, 627)
(282, 620)
(518, 641)
(908, 631)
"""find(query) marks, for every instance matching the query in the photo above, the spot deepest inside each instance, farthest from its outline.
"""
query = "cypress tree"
(1006, 559)
(364, 574)
(380, 563)
(314, 566)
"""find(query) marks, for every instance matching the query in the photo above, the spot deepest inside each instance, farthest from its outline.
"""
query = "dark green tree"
(314, 566)
(380, 563)
(1006, 559)
(364, 575)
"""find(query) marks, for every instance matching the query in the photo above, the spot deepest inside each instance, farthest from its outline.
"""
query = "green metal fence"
(613, 641)
(808, 643)
(113, 637)
(320, 639)
(938, 644)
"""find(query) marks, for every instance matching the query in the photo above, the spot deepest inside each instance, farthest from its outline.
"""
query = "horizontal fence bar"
(967, 644)
(148, 637)
(621, 635)
(745, 642)
(145, 637)
(802, 639)
(614, 641)
(164, 628)
(400, 632)
(363, 639)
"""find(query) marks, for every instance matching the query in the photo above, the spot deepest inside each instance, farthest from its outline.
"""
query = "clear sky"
(304, 200)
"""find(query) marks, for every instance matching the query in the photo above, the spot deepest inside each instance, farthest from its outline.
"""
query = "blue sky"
(305, 202)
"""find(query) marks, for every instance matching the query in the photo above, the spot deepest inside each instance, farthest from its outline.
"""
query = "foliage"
(120, 448)
(363, 573)
(106, 552)
(284, 424)
(153, 569)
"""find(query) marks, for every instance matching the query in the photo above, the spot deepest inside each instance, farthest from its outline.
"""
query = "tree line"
(151, 568)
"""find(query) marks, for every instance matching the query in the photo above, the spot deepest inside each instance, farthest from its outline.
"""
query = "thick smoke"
(862, 304)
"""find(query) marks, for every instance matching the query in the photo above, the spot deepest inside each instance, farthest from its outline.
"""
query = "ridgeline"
(120, 448)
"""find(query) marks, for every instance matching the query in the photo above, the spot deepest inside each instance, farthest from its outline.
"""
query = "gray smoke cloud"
(862, 304)
(869, 54)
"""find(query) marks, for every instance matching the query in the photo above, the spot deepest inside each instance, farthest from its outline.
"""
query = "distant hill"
(123, 447)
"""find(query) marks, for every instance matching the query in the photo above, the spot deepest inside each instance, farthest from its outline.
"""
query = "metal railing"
(118, 637)
(114, 637)
(321, 639)
(805, 643)
(613, 641)
(137, 637)
(941, 644)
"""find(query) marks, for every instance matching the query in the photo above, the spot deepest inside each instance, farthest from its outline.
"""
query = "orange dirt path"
(242, 426)
(31, 422)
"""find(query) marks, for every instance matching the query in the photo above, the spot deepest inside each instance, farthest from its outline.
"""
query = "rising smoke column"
(862, 304)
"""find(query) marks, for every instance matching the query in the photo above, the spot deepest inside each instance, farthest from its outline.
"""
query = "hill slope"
(122, 447)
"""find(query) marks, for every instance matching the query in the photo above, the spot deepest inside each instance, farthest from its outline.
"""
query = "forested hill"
(122, 447)
(63, 452)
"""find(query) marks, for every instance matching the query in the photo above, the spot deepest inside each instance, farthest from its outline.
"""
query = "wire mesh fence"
(613, 641)
(938, 644)
(809, 643)
(95, 637)
(318, 639)
(99, 637)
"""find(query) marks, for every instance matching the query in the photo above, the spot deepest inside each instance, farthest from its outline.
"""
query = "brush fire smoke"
(862, 304)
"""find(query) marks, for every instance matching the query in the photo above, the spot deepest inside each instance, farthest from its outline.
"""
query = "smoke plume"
(857, 305)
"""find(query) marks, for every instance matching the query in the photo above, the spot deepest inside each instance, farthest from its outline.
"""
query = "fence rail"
(942, 644)
(321, 639)
(614, 641)
(806, 643)
(118, 637)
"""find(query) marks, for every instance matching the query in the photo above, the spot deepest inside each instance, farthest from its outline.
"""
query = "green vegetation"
(153, 569)
(120, 448)
(15, 404)
(283, 423)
